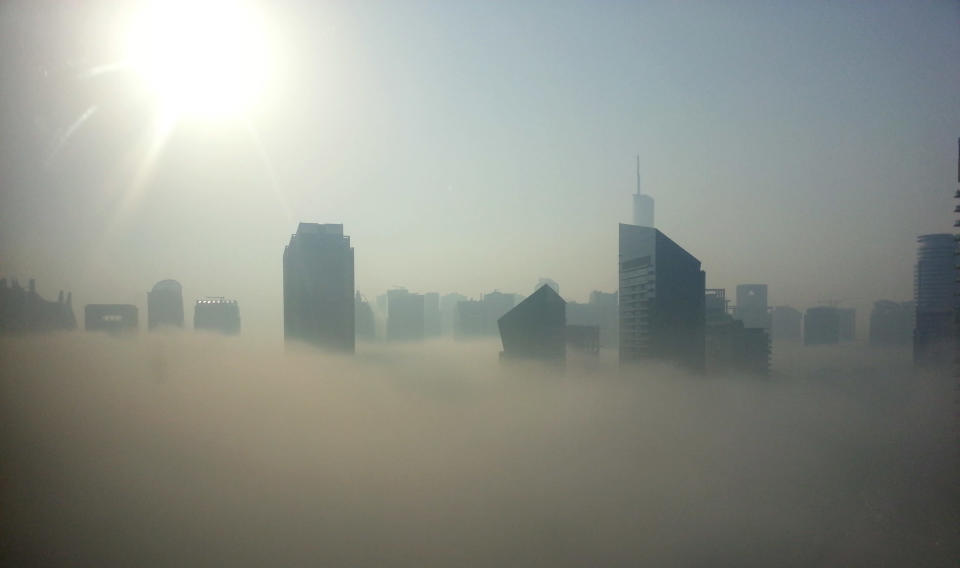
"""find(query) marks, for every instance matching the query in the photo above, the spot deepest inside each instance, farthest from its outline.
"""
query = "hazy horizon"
(468, 147)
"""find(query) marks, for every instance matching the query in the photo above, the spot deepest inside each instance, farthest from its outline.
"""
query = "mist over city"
(423, 283)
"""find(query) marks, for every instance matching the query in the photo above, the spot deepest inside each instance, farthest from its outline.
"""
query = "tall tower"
(318, 291)
(642, 204)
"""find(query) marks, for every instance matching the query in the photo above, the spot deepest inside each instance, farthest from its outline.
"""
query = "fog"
(186, 449)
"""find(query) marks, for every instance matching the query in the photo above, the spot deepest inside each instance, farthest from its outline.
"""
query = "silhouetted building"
(547, 282)
(584, 338)
(600, 312)
(935, 293)
(365, 321)
(661, 299)
(891, 323)
(217, 314)
(821, 326)
(112, 318)
(536, 327)
(495, 305)
(431, 314)
(471, 320)
(405, 313)
(847, 324)
(730, 346)
(318, 289)
(448, 312)
(165, 305)
(752, 306)
(24, 311)
(787, 324)
(642, 205)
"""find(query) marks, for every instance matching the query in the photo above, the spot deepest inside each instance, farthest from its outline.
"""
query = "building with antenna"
(642, 204)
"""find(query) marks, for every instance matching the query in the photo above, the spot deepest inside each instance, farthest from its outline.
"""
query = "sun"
(202, 57)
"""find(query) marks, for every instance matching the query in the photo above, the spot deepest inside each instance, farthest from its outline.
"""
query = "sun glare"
(206, 57)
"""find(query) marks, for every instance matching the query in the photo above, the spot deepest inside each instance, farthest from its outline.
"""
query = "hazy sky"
(473, 146)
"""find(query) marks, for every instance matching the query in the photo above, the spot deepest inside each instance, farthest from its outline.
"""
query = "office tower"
(165, 305)
(821, 326)
(112, 318)
(661, 299)
(934, 291)
(404, 316)
(318, 301)
(787, 324)
(431, 314)
(730, 346)
(751, 306)
(548, 282)
(365, 320)
(891, 323)
(25, 311)
(642, 204)
(217, 314)
(535, 328)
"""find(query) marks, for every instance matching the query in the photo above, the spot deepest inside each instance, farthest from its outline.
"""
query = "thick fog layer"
(194, 450)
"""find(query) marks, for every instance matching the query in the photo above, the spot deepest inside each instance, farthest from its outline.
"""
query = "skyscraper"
(821, 326)
(934, 293)
(405, 315)
(217, 314)
(642, 204)
(661, 299)
(165, 304)
(536, 327)
(318, 289)
(751, 306)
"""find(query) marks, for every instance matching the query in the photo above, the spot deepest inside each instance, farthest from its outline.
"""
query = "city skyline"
(796, 124)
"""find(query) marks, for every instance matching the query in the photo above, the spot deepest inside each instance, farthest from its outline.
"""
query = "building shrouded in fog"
(891, 323)
(661, 299)
(112, 318)
(217, 314)
(365, 321)
(405, 315)
(25, 311)
(318, 289)
(934, 291)
(787, 323)
(730, 345)
(847, 324)
(752, 306)
(165, 305)
(821, 326)
(536, 327)
(431, 315)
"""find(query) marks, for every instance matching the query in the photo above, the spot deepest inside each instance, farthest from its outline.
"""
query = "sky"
(477, 146)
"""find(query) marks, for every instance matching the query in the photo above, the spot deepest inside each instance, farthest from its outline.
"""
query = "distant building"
(730, 346)
(600, 312)
(365, 320)
(495, 304)
(642, 205)
(847, 324)
(405, 313)
(787, 324)
(584, 338)
(536, 327)
(891, 323)
(217, 314)
(935, 293)
(752, 306)
(318, 289)
(24, 311)
(821, 326)
(165, 305)
(661, 299)
(547, 282)
(448, 312)
(471, 320)
(112, 318)
(431, 314)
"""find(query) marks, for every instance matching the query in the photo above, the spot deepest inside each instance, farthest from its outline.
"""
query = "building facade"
(536, 327)
(165, 305)
(934, 291)
(751, 306)
(217, 314)
(661, 299)
(318, 287)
